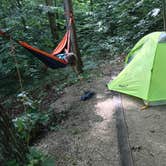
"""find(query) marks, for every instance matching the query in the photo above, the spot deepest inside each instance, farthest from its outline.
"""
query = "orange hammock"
(52, 60)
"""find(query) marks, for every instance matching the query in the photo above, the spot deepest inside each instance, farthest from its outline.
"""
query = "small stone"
(152, 131)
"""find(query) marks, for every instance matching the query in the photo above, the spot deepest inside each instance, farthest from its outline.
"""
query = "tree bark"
(52, 20)
(69, 13)
(164, 14)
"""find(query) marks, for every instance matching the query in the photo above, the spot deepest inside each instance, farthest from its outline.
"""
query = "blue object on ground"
(87, 95)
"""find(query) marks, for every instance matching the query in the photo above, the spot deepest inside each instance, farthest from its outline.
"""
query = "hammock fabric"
(50, 59)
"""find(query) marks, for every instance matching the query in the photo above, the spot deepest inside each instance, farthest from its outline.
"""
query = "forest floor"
(88, 137)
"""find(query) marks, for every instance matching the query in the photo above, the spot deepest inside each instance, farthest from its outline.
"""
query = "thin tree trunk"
(164, 14)
(69, 13)
(57, 18)
(52, 20)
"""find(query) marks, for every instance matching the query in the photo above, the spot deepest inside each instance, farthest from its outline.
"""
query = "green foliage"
(34, 158)
(37, 158)
(12, 163)
(27, 101)
(30, 123)
(116, 25)
(26, 20)
(15, 133)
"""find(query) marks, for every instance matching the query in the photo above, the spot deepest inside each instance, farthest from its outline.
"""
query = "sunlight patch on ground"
(104, 109)
(99, 96)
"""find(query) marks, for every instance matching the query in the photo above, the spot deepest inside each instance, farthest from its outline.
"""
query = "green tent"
(145, 73)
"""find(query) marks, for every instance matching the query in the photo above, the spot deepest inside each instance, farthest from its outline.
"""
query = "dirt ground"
(89, 137)
(147, 134)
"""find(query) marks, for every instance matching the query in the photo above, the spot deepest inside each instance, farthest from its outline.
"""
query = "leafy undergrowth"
(34, 158)
(42, 84)
(30, 109)
(33, 124)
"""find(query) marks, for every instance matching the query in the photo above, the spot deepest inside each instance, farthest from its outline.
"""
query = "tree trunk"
(52, 20)
(164, 14)
(69, 13)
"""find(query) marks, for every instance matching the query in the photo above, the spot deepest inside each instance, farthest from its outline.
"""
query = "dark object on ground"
(87, 95)
(136, 148)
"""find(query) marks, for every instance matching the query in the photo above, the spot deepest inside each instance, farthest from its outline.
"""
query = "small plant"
(27, 101)
(36, 158)
(30, 123)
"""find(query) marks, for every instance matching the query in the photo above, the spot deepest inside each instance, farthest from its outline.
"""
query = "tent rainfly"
(144, 75)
